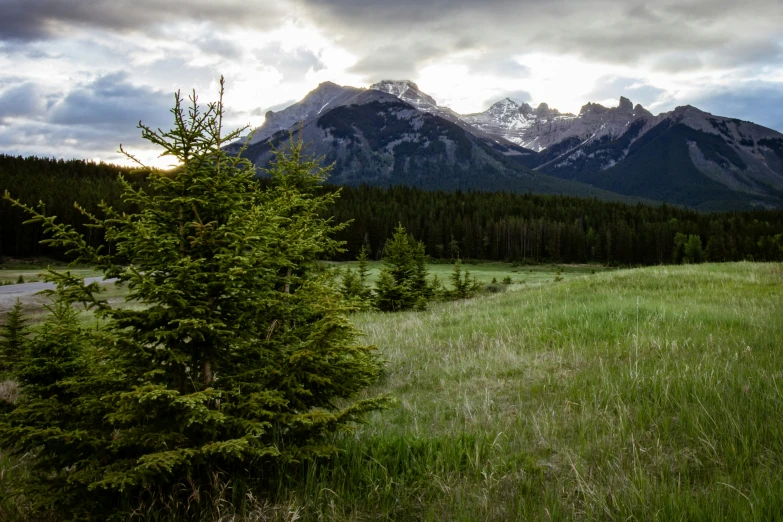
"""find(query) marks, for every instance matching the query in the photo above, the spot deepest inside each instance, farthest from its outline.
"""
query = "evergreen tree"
(53, 421)
(497, 226)
(693, 250)
(402, 283)
(464, 286)
(349, 283)
(240, 351)
(419, 280)
(679, 247)
(12, 340)
(353, 284)
(716, 249)
(770, 247)
(453, 248)
(363, 270)
(437, 289)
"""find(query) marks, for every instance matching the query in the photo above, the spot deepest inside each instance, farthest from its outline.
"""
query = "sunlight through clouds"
(465, 54)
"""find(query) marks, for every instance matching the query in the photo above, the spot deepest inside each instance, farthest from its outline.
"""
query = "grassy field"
(485, 272)
(33, 275)
(30, 270)
(645, 394)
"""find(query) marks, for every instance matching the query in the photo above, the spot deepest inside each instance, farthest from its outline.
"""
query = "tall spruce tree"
(238, 354)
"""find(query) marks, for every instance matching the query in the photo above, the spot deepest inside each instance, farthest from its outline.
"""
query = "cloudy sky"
(77, 75)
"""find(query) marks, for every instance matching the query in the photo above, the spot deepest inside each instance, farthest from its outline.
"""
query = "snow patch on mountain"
(324, 97)
(409, 92)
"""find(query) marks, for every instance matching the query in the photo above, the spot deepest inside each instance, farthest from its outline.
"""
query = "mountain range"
(393, 133)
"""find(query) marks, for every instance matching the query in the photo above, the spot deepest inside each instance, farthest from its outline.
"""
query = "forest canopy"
(471, 225)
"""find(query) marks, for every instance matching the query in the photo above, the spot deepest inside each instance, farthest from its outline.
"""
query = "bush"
(495, 288)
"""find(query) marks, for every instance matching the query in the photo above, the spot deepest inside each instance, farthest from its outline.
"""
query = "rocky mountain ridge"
(740, 162)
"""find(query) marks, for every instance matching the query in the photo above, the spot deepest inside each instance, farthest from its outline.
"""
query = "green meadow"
(485, 272)
(639, 394)
(644, 394)
(32, 273)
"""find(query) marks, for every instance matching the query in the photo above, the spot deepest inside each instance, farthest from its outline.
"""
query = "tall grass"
(651, 394)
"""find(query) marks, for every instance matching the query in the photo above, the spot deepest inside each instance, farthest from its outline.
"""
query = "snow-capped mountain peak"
(505, 104)
(517, 123)
(409, 92)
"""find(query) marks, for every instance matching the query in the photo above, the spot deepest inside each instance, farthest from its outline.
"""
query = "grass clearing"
(486, 272)
(647, 394)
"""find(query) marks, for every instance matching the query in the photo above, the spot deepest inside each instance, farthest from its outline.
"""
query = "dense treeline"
(536, 228)
(58, 184)
(470, 225)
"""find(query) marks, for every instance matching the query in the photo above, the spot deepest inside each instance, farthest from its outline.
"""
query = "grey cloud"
(174, 69)
(518, 96)
(759, 102)
(603, 30)
(222, 47)
(291, 64)
(751, 53)
(40, 19)
(67, 143)
(24, 49)
(498, 64)
(42, 138)
(22, 99)
(400, 61)
(678, 62)
(112, 101)
(89, 121)
(261, 111)
(612, 87)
